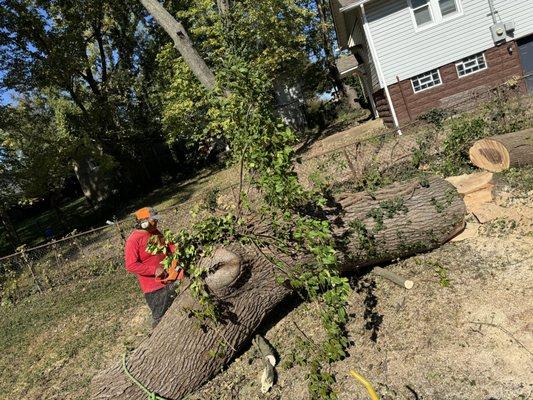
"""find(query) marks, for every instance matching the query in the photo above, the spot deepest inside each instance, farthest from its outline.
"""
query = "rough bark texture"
(182, 42)
(178, 357)
(93, 184)
(333, 71)
(223, 6)
(498, 153)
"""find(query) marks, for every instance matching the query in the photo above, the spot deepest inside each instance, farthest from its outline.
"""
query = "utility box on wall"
(498, 32)
(501, 30)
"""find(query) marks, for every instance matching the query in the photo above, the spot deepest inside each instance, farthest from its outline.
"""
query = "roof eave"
(353, 5)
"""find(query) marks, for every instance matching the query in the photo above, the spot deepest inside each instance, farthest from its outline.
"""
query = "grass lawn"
(53, 344)
(78, 215)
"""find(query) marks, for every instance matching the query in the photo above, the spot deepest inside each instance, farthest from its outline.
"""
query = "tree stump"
(498, 153)
(178, 357)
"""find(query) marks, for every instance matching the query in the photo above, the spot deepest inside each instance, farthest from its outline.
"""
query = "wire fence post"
(77, 243)
(120, 231)
(26, 259)
(57, 254)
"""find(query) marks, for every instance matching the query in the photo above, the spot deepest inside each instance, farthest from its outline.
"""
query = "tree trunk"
(11, 231)
(223, 6)
(93, 185)
(182, 42)
(498, 153)
(351, 97)
(346, 92)
(178, 357)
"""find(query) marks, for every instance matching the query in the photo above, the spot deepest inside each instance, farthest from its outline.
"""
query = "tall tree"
(91, 54)
(10, 190)
(325, 29)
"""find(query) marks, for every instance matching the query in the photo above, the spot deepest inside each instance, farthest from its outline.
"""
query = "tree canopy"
(96, 84)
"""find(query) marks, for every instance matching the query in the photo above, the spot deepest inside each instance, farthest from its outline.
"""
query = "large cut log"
(498, 153)
(178, 357)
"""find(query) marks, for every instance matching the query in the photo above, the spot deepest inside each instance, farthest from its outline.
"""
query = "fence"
(100, 251)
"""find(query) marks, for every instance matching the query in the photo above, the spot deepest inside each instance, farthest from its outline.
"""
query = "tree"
(247, 282)
(277, 239)
(10, 191)
(324, 29)
(95, 56)
(268, 36)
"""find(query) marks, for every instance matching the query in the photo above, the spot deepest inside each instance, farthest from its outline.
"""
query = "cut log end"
(490, 155)
(498, 153)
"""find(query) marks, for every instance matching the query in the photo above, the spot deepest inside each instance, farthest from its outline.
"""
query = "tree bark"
(177, 358)
(94, 186)
(498, 153)
(11, 231)
(223, 6)
(182, 42)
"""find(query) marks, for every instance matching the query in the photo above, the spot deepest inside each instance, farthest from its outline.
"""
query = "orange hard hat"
(146, 213)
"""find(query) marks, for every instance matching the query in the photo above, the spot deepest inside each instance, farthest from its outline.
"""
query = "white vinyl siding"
(405, 53)
(471, 65)
(426, 80)
(357, 35)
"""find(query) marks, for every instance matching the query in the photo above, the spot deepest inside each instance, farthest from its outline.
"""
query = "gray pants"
(159, 301)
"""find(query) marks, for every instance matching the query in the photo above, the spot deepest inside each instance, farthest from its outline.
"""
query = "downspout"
(379, 71)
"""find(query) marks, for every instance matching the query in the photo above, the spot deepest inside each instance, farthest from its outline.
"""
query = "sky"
(5, 95)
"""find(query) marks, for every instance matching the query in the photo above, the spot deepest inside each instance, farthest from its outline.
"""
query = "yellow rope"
(368, 386)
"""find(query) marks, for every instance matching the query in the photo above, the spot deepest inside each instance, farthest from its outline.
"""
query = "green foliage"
(372, 179)
(435, 116)
(239, 111)
(464, 132)
(505, 112)
(258, 42)
(442, 274)
(519, 178)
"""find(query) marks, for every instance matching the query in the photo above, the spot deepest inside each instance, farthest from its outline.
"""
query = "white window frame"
(457, 63)
(436, 15)
(424, 73)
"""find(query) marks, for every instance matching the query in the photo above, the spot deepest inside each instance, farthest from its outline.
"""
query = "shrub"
(464, 131)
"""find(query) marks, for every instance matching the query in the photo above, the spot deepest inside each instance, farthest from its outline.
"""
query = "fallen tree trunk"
(178, 357)
(498, 153)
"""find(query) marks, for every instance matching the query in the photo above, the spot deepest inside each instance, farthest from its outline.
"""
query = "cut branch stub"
(226, 267)
(498, 153)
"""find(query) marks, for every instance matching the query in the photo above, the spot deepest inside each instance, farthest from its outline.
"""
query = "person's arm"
(133, 263)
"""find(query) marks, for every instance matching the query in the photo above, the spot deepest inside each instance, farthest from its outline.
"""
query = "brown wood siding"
(502, 66)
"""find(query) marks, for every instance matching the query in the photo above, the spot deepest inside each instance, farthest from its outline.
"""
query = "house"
(416, 55)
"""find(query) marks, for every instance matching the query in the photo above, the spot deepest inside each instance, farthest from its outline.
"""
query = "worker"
(159, 291)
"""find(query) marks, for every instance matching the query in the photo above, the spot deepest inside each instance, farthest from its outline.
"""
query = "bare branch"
(182, 42)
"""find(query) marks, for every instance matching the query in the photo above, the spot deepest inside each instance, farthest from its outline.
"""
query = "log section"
(178, 357)
(498, 153)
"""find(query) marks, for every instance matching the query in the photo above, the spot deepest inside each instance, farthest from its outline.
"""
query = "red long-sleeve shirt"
(141, 263)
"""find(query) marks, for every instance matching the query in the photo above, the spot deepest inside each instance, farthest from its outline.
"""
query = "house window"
(447, 7)
(422, 12)
(470, 65)
(428, 13)
(426, 80)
